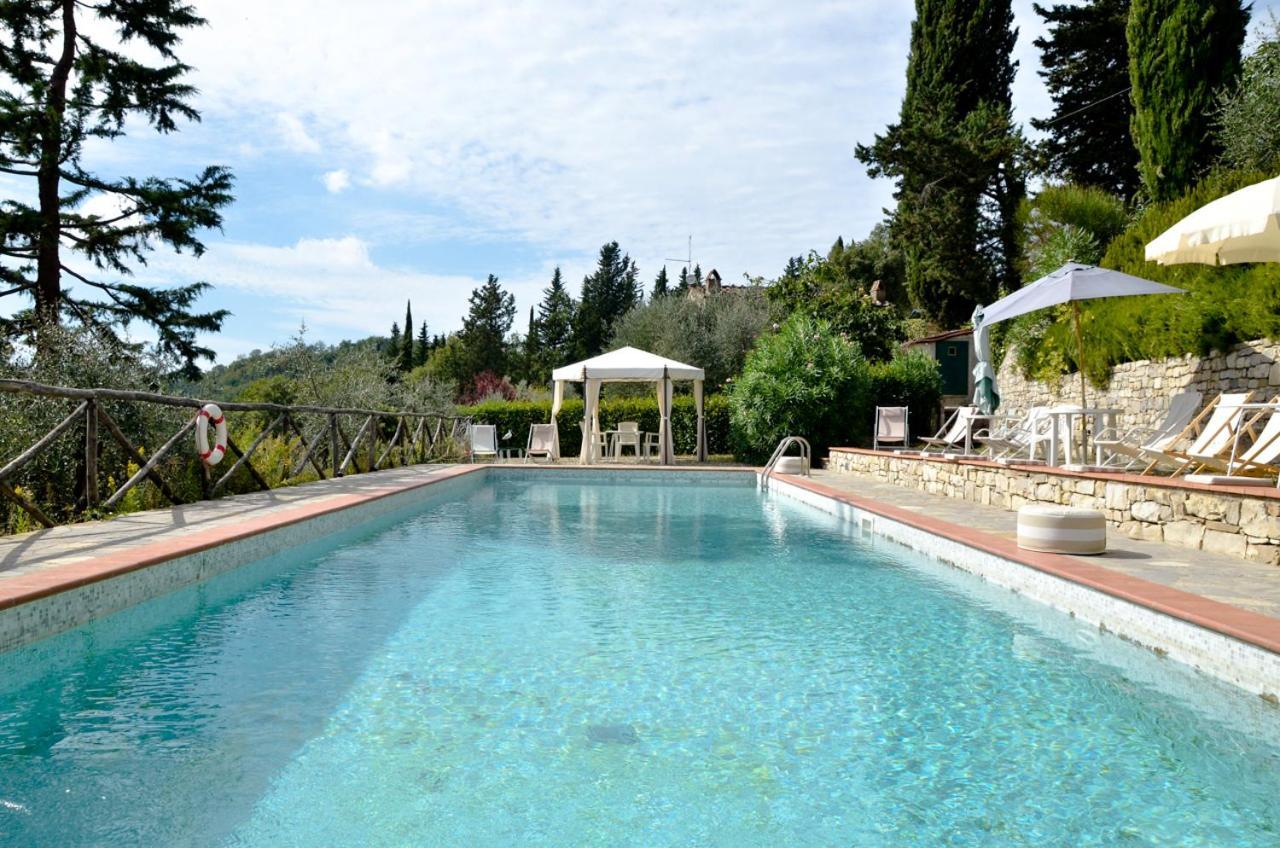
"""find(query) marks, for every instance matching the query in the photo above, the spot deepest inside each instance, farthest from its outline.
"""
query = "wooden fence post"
(91, 455)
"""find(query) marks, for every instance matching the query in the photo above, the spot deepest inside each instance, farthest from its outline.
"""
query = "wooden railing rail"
(420, 436)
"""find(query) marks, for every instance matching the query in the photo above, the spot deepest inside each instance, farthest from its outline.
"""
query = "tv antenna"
(688, 261)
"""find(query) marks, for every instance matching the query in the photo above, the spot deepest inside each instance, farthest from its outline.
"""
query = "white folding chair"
(892, 426)
(484, 441)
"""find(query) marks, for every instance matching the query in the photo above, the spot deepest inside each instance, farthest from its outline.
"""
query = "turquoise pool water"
(553, 662)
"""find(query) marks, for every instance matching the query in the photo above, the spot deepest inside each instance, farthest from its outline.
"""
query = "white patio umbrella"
(1071, 283)
(1244, 226)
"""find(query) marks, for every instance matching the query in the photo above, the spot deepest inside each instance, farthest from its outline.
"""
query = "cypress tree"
(424, 346)
(73, 75)
(953, 156)
(393, 347)
(607, 294)
(555, 324)
(1181, 54)
(405, 354)
(1086, 70)
(660, 283)
(484, 330)
(697, 275)
(683, 285)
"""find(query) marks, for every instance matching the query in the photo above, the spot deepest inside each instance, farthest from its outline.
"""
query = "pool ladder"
(805, 458)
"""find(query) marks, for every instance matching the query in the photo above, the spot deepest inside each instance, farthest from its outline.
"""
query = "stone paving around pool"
(1240, 583)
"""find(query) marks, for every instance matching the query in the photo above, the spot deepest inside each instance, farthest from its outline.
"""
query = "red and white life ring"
(211, 413)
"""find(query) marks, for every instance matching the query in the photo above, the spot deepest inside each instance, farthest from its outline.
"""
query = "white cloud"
(294, 134)
(334, 285)
(337, 181)
(570, 124)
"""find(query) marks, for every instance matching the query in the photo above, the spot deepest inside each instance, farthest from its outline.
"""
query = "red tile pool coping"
(21, 589)
(1260, 492)
(1243, 625)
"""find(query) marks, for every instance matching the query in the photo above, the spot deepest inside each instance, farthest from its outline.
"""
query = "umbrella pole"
(1075, 308)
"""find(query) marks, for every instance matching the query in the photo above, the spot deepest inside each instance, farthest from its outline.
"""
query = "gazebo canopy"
(627, 364)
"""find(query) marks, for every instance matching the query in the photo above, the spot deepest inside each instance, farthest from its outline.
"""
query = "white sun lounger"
(954, 435)
(484, 440)
(542, 441)
(1211, 433)
(1261, 456)
(1017, 439)
(1123, 450)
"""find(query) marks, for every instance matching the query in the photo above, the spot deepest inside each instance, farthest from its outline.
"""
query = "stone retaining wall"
(1142, 389)
(1197, 517)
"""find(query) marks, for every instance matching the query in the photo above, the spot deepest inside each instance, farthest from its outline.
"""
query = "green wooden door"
(953, 361)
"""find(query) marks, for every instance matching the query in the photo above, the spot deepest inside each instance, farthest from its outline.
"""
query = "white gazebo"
(628, 365)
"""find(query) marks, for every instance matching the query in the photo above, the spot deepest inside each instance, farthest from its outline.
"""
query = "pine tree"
(683, 286)
(69, 75)
(406, 353)
(697, 275)
(1181, 54)
(660, 283)
(1086, 69)
(424, 346)
(484, 330)
(953, 154)
(393, 347)
(607, 294)
(556, 316)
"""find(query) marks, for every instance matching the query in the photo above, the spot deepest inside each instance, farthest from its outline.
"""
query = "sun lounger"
(954, 435)
(1259, 456)
(542, 441)
(1211, 433)
(1012, 438)
(1116, 449)
(891, 426)
(484, 440)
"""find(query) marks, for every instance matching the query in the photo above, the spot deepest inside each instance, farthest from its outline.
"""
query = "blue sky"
(387, 151)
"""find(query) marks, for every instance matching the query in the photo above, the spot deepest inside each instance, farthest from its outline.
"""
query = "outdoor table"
(512, 453)
(1063, 420)
(613, 445)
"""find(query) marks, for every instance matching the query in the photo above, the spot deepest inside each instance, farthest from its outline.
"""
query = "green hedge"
(515, 417)
(912, 380)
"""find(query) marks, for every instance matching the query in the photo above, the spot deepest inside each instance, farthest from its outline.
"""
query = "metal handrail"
(806, 454)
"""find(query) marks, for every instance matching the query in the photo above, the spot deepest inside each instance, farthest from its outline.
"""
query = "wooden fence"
(421, 437)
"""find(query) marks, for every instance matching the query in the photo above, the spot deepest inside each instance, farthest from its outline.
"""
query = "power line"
(1088, 106)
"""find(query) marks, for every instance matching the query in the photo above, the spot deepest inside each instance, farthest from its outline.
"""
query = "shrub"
(1224, 305)
(515, 417)
(912, 380)
(806, 380)
(714, 333)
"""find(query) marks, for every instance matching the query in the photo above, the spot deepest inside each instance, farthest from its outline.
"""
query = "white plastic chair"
(892, 426)
(628, 435)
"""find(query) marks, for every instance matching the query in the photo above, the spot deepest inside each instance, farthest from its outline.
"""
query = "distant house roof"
(941, 337)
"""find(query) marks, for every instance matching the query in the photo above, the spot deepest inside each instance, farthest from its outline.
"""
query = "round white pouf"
(1062, 530)
(789, 465)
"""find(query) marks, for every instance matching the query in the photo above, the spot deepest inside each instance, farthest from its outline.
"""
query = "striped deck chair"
(1117, 449)
(1261, 457)
(1211, 433)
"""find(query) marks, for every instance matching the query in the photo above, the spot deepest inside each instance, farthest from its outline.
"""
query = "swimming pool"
(563, 659)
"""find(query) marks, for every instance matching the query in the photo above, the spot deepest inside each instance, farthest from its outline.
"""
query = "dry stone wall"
(1201, 519)
(1142, 389)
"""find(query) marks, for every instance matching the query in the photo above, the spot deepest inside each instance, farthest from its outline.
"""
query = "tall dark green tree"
(484, 330)
(607, 294)
(954, 156)
(683, 285)
(1182, 53)
(70, 72)
(555, 324)
(660, 283)
(393, 346)
(406, 354)
(423, 347)
(1086, 70)
(697, 275)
